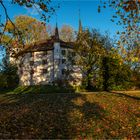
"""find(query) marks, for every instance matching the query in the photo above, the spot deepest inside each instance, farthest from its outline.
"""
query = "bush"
(8, 76)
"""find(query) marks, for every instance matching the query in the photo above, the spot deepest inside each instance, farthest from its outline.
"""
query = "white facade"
(45, 67)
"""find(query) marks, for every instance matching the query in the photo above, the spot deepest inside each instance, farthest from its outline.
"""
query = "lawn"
(103, 115)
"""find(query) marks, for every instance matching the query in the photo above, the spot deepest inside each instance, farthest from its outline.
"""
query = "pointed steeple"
(56, 33)
(80, 29)
(80, 24)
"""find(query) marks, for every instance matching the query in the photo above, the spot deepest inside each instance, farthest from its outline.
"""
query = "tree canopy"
(44, 8)
(127, 15)
(89, 49)
(67, 33)
(30, 28)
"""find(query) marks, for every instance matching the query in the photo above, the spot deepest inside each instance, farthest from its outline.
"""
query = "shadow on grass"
(125, 95)
(5, 90)
(42, 89)
(47, 116)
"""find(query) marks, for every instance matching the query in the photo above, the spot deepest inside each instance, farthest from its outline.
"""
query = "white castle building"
(48, 61)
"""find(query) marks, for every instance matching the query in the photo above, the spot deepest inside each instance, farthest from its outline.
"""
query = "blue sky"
(68, 13)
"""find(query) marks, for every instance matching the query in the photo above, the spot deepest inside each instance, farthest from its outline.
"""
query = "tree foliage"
(102, 64)
(127, 15)
(67, 33)
(43, 7)
(30, 28)
(89, 50)
(8, 75)
(126, 10)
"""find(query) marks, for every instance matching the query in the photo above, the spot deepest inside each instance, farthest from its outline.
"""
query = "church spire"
(56, 32)
(80, 30)
(80, 24)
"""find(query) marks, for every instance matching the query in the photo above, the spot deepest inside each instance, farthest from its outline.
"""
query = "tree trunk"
(106, 76)
(89, 86)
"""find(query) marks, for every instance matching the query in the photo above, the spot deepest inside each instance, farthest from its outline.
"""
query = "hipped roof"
(44, 45)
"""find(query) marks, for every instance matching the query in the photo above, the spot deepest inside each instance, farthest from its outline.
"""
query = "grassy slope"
(95, 115)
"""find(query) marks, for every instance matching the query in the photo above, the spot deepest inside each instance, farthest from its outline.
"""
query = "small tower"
(57, 55)
(56, 33)
(80, 30)
(80, 24)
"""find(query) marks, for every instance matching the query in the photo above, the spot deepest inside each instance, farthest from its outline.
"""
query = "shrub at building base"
(8, 76)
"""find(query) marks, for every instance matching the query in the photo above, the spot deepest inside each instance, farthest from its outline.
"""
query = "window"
(31, 63)
(73, 62)
(63, 52)
(63, 71)
(20, 65)
(73, 54)
(63, 61)
(44, 71)
(39, 55)
(32, 71)
(44, 62)
(31, 54)
(21, 71)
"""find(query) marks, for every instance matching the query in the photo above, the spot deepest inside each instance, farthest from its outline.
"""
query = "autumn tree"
(89, 50)
(8, 75)
(30, 29)
(104, 72)
(126, 10)
(67, 33)
(127, 16)
(101, 63)
(116, 73)
(44, 8)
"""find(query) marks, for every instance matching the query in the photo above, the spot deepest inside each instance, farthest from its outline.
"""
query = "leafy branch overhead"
(43, 7)
(127, 15)
(126, 10)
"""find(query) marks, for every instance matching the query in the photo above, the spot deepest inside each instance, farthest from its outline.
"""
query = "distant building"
(48, 61)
